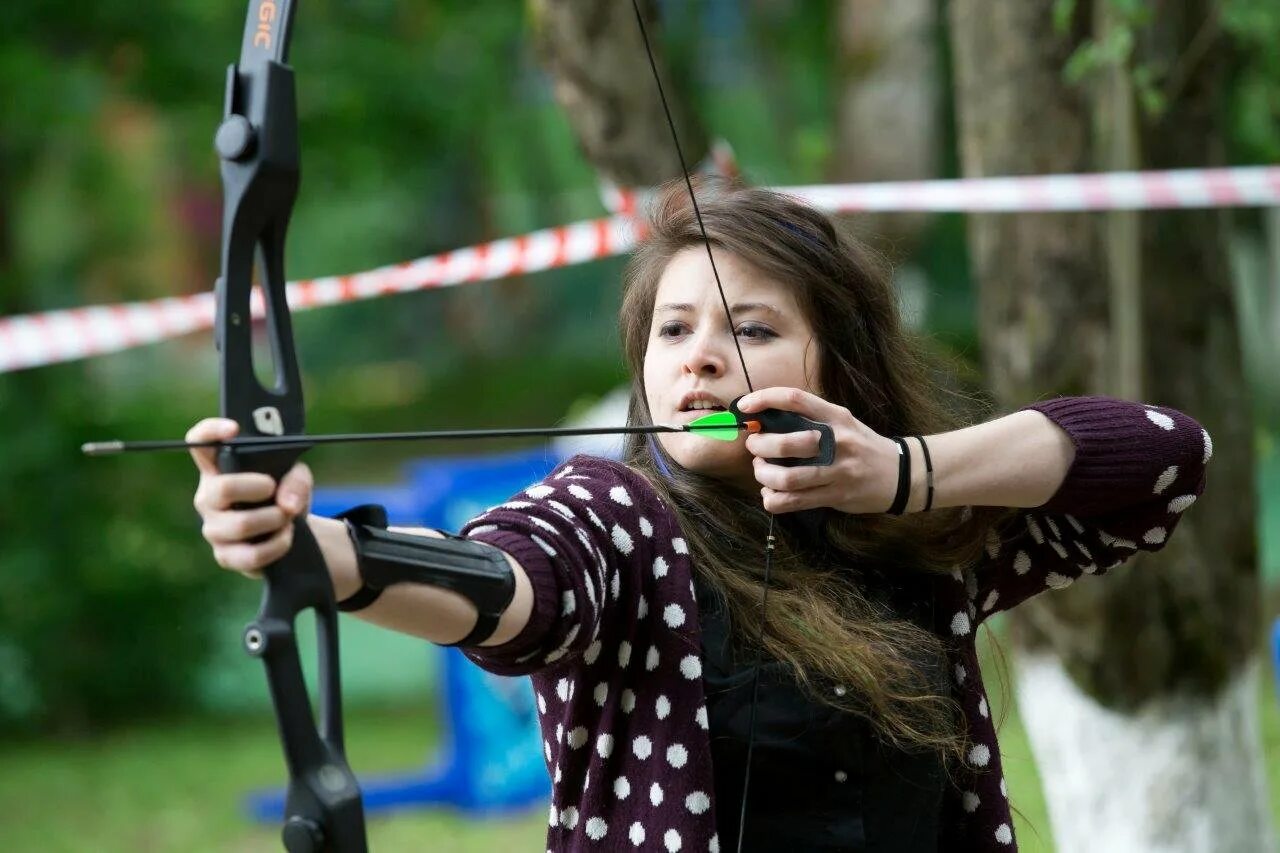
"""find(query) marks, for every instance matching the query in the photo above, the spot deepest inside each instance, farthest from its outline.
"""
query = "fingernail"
(289, 501)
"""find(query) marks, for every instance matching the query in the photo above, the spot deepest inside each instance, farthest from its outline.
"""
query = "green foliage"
(1114, 49)
(414, 115)
(1254, 25)
(1253, 28)
(103, 616)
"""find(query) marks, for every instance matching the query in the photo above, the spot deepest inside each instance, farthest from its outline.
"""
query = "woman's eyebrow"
(746, 307)
(735, 309)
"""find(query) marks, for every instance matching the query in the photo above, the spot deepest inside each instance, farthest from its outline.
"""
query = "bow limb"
(258, 146)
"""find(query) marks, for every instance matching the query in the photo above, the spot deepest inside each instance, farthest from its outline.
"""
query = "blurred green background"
(130, 719)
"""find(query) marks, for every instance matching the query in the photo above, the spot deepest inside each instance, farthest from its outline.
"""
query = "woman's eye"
(670, 329)
(756, 331)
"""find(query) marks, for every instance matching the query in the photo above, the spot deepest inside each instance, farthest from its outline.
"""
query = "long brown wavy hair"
(828, 618)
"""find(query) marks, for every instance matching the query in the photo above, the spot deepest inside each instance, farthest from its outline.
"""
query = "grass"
(179, 787)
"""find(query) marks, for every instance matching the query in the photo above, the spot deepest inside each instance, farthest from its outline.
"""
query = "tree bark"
(888, 109)
(1137, 689)
(600, 72)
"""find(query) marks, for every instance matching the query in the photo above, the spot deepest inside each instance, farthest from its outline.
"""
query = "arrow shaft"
(106, 448)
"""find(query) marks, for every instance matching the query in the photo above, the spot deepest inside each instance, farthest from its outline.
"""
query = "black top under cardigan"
(821, 780)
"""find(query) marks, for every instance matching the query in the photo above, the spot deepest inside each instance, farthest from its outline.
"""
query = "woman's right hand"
(245, 540)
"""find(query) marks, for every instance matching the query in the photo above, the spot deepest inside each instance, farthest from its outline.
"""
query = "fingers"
(246, 527)
(294, 494)
(855, 482)
(219, 492)
(227, 528)
(791, 479)
(789, 501)
(251, 557)
(792, 400)
(210, 429)
(776, 445)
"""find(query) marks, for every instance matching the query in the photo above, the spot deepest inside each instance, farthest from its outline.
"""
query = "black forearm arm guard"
(478, 572)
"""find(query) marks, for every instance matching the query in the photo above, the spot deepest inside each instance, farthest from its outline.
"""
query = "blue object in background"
(1275, 651)
(445, 492)
(491, 758)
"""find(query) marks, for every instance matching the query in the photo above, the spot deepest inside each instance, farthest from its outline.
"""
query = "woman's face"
(691, 366)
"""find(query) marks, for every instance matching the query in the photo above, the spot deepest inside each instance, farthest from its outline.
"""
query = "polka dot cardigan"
(614, 650)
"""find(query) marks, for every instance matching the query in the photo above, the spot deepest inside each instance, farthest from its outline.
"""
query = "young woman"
(634, 589)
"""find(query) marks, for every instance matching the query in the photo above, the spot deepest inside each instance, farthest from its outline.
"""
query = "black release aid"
(478, 572)
(779, 420)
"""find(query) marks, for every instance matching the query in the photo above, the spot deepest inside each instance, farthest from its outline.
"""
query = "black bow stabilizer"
(258, 146)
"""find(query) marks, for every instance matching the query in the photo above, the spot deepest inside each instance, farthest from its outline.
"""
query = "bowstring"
(724, 301)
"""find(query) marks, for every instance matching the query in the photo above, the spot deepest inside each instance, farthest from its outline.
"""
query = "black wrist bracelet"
(904, 478)
(928, 473)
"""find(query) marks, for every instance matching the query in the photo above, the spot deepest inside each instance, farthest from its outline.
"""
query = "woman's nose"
(705, 356)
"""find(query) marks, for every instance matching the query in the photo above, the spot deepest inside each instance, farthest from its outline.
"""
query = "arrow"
(721, 426)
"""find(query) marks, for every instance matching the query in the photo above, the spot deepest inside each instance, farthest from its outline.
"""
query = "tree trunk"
(593, 51)
(1139, 690)
(888, 109)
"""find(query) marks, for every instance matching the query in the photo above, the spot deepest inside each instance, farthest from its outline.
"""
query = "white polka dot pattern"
(615, 553)
(615, 612)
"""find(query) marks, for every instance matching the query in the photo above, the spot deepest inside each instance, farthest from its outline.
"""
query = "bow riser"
(258, 146)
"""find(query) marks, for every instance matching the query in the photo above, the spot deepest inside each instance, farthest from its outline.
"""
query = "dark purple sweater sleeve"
(1137, 469)
(577, 536)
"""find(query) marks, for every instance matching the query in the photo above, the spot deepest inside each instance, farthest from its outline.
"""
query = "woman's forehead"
(689, 283)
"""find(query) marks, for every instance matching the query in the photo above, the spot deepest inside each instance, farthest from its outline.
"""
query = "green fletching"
(722, 426)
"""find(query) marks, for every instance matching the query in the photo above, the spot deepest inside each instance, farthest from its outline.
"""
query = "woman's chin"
(722, 460)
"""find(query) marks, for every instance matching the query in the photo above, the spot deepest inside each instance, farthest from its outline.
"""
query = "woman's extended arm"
(430, 612)
(247, 540)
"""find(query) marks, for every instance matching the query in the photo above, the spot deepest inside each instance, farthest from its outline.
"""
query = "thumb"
(210, 429)
(294, 492)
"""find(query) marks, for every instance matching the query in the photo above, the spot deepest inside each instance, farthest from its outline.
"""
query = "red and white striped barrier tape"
(54, 336)
(49, 337)
(1256, 186)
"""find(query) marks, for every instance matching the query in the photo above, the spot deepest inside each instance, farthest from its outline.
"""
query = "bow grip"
(323, 808)
(780, 420)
